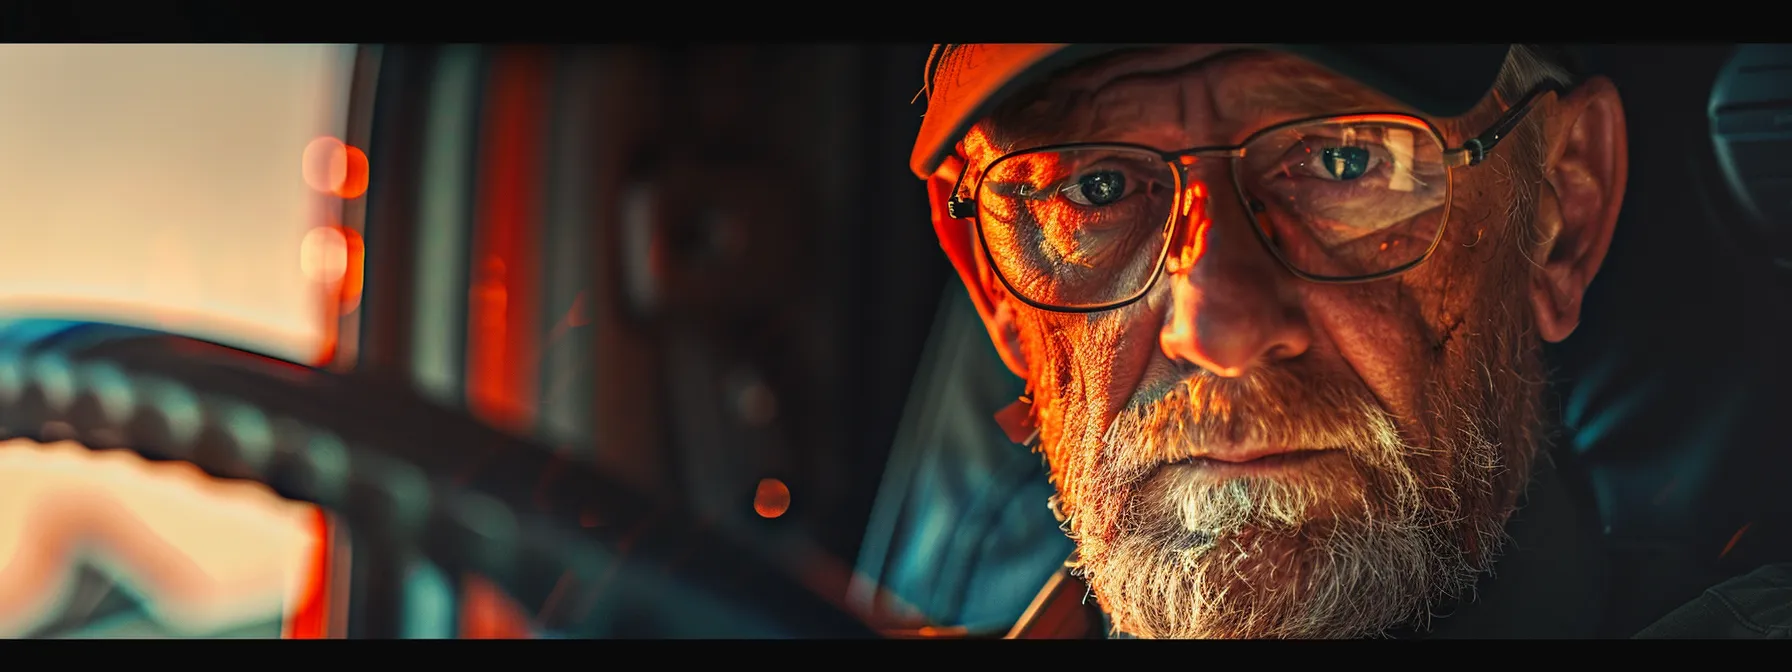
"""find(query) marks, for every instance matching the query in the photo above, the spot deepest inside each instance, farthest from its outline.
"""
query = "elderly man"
(1280, 311)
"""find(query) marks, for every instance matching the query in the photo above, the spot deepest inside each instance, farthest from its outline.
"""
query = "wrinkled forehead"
(1173, 98)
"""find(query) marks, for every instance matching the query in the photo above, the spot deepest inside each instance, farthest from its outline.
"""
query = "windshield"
(163, 186)
(196, 189)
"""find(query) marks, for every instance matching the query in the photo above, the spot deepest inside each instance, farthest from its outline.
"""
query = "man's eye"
(1101, 188)
(1344, 163)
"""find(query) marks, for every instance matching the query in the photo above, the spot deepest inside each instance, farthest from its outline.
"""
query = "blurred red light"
(772, 498)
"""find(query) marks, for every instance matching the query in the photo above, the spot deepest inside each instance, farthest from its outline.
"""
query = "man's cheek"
(1137, 361)
(1370, 330)
(1106, 354)
(1060, 368)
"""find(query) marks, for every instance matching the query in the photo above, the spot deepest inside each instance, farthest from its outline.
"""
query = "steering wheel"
(411, 480)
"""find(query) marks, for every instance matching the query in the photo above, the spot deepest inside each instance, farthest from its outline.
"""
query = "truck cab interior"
(657, 341)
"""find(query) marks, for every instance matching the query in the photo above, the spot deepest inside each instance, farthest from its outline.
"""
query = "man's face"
(1243, 453)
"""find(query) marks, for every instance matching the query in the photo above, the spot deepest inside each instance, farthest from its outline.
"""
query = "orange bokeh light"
(488, 613)
(354, 275)
(323, 255)
(311, 619)
(332, 167)
(772, 498)
(332, 256)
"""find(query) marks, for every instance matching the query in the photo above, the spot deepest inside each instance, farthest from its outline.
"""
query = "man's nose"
(1231, 306)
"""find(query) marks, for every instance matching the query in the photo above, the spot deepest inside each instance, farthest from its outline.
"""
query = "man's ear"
(958, 237)
(1586, 166)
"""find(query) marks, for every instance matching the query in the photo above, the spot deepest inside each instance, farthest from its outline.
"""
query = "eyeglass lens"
(1335, 199)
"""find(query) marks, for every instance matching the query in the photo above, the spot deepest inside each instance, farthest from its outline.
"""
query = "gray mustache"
(1272, 407)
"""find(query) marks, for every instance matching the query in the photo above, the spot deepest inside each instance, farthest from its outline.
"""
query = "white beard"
(1348, 549)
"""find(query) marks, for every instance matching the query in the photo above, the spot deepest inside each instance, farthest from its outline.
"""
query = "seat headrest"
(1751, 133)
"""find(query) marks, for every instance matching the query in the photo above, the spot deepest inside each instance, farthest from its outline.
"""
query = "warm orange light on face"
(772, 498)
(1191, 239)
(332, 167)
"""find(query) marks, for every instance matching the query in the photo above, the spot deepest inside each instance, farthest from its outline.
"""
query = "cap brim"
(1437, 80)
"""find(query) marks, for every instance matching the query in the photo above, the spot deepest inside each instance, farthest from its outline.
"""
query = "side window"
(475, 276)
(568, 370)
(500, 239)
(444, 222)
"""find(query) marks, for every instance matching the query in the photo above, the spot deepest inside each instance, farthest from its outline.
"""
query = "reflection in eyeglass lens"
(1346, 199)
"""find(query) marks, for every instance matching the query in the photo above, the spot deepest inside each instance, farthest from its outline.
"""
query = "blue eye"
(1344, 163)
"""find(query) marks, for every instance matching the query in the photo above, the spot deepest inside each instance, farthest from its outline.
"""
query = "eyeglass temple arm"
(1476, 149)
(959, 207)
